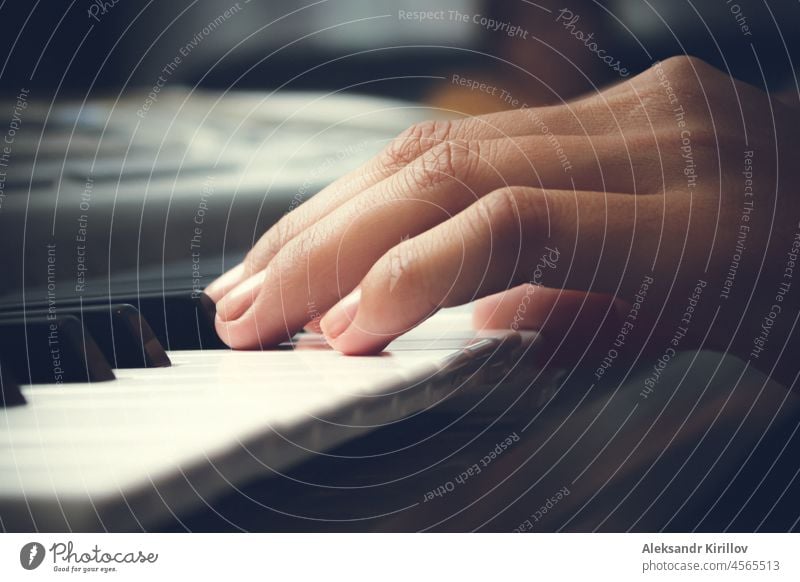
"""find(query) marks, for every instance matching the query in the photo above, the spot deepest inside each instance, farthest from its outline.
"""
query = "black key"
(122, 334)
(125, 336)
(52, 350)
(182, 320)
(10, 394)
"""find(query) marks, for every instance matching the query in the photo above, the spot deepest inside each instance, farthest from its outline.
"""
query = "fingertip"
(218, 288)
(224, 332)
(237, 301)
(341, 315)
(357, 342)
(497, 311)
(237, 334)
(350, 326)
(248, 333)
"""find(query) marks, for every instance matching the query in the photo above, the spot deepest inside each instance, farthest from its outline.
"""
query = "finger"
(573, 240)
(572, 323)
(226, 282)
(541, 308)
(609, 163)
(570, 119)
(433, 188)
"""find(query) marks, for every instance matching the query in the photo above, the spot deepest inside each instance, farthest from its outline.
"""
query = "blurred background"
(113, 44)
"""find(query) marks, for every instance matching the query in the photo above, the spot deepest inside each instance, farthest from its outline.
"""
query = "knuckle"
(513, 214)
(279, 234)
(679, 75)
(268, 246)
(297, 252)
(254, 260)
(415, 141)
(503, 205)
(445, 161)
(684, 66)
(249, 263)
(402, 274)
(397, 266)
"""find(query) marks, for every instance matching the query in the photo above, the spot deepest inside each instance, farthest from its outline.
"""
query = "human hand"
(641, 184)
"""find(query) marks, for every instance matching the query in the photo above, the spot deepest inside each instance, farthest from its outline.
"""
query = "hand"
(633, 198)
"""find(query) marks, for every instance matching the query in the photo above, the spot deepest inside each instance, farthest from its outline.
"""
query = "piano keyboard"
(124, 453)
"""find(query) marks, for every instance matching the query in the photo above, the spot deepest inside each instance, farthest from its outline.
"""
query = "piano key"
(52, 350)
(121, 333)
(180, 318)
(125, 337)
(10, 394)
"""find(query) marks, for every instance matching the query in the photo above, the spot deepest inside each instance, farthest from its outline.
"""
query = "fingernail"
(341, 315)
(224, 283)
(236, 302)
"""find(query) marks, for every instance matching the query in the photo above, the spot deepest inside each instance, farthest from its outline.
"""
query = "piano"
(122, 410)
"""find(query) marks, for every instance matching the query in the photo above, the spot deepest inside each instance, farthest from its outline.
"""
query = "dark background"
(57, 45)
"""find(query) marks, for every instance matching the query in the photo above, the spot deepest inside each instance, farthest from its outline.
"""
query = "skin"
(455, 211)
